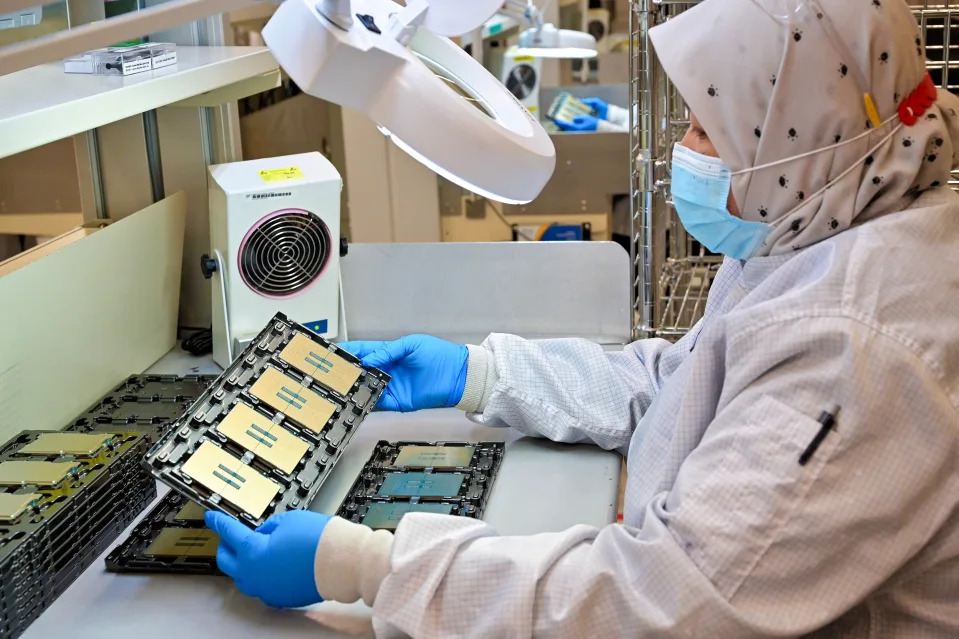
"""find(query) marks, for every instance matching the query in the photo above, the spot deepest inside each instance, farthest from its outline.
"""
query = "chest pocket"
(743, 487)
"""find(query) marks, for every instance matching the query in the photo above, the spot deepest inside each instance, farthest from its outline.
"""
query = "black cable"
(200, 343)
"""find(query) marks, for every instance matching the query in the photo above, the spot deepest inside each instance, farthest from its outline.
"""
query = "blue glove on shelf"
(274, 563)
(600, 108)
(579, 123)
(426, 372)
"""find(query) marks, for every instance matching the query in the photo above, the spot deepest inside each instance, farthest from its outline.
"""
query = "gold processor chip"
(230, 478)
(327, 368)
(291, 398)
(78, 444)
(12, 506)
(256, 433)
(386, 516)
(412, 484)
(192, 511)
(434, 456)
(184, 542)
(38, 473)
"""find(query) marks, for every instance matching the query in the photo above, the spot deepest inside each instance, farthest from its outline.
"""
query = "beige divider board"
(75, 321)
(327, 368)
(291, 398)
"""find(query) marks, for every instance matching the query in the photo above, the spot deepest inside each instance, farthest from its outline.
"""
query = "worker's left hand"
(600, 107)
(273, 563)
(579, 123)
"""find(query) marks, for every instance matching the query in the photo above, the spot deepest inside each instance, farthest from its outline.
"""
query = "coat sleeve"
(747, 542)
(572, 390)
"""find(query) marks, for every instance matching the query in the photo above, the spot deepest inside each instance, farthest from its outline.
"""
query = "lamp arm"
(524, 11)
(338, 12)
(403, 24)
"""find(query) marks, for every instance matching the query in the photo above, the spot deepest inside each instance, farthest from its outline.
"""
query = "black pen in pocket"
(827, 420)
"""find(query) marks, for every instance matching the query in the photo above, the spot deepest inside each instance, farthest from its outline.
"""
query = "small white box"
(123, 60)
(163, 54)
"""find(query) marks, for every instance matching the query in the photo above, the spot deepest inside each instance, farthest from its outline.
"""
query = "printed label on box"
(282, 175)
(136, 66)
(164, 60)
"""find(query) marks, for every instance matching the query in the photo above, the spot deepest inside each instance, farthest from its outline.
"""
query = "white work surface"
(541, 487)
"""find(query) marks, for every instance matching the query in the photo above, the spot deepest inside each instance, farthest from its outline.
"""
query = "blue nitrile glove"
(274, 563)
(579, 123)
(427, 372)
(599, 107)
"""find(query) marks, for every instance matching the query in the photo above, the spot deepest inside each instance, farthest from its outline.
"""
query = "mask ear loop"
(858, 163)
(807, 154)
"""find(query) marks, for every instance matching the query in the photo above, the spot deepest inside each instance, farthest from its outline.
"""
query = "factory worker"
(794, 459)
(605, 117)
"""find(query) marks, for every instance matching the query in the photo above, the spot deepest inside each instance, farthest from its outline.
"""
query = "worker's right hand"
(426, 372)
(579, 123)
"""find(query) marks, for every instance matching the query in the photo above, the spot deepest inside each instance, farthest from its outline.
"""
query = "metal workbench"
(542, 486)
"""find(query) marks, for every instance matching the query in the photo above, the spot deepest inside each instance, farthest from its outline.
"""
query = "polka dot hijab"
(767, 88)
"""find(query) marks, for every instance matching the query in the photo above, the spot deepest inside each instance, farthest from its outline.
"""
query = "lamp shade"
(437, 102)
(455, 17)
(549, 42)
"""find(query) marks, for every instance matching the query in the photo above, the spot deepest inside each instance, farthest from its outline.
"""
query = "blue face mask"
(700, 188)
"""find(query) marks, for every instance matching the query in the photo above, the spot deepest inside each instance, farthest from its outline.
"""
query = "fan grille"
(597, 29)
(284, 252)
(521, 81)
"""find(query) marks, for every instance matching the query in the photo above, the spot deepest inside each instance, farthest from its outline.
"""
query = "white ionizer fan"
(275, 239)
(521, 75)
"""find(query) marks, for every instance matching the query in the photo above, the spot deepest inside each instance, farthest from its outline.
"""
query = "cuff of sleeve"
(618, 116)
(480, 379)
(351, 561)
(603, 125)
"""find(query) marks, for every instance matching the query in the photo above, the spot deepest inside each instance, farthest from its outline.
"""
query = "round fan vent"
(597, 29)
(521, 81)
(284, 252)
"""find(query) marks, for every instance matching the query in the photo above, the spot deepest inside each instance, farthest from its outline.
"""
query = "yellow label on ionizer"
(281, 175)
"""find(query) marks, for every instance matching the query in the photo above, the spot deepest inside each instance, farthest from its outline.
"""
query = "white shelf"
(44, 104)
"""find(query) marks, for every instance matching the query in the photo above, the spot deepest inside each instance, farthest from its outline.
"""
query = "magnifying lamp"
(550, 42)
(396, 65)
(544, 40)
